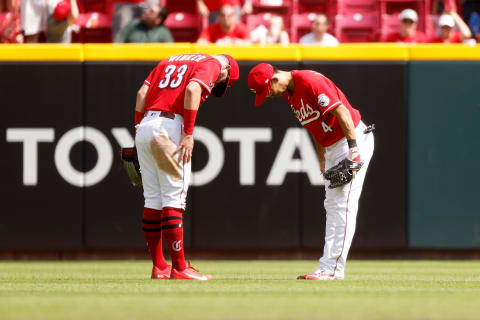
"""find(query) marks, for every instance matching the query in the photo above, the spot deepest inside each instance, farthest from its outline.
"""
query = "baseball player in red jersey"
(339, 133)
(165, 112)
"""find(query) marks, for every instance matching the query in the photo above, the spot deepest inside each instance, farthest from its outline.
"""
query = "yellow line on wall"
(41, 52)
(444, 52)
(137, 52)
(156, 52)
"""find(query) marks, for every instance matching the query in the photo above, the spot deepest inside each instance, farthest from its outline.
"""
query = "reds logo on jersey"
(323, 100)
(306, 114)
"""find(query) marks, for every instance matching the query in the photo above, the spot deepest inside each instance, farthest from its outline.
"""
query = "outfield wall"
(68, 109)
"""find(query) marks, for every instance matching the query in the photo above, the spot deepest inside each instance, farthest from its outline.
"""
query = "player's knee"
(153, 203)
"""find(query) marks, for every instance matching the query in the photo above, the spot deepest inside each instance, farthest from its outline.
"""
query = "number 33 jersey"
(313, 97)
(171, 76)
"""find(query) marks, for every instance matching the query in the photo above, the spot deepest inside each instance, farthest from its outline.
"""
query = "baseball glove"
(342, 173)
(131, 165)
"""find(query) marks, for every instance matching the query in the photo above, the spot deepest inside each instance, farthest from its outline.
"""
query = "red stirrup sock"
(172, 229)
(152, 231)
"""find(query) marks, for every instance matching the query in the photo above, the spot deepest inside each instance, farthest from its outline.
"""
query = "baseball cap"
(446, 20)
(409, 14)
(62, 10)
(232, 77)
(259, 81)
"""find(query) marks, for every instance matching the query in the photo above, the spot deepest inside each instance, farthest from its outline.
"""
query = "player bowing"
(165, 113)
(339, 133)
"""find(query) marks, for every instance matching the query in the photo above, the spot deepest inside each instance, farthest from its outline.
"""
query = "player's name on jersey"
(188, 57)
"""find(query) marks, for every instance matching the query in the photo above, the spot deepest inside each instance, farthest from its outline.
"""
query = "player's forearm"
(191, 103)
(321, 156)
(141, 96)
(193, 94)
(345, 121)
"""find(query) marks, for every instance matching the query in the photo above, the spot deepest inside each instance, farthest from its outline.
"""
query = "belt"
(163, 114)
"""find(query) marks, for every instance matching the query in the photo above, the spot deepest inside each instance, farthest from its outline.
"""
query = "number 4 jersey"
(313, 97)
(171, 76)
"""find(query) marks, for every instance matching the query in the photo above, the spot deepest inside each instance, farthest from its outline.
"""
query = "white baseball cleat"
(321, 275)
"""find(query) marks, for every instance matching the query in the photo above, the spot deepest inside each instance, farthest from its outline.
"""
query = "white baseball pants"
(341, 204)
(159, 188)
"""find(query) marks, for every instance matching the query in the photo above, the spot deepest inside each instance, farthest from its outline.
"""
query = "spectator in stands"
(148, 28)
(275, 34)
(408, 32)
(319, 35)
(447, 24)
(226, 31)
(33, 19)
(61, 15)
(10, 28)
(474, 23)
(211, 8)
(124, 11)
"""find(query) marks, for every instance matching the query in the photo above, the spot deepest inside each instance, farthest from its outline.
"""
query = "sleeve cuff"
(331, 107)
(203, 84)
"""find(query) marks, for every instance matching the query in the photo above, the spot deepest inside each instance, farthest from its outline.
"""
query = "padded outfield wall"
(256, 183)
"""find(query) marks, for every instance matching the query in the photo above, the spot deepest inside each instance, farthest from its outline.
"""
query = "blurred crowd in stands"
(231, 22)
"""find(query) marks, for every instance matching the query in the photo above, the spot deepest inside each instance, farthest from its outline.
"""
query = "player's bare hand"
(185, 148)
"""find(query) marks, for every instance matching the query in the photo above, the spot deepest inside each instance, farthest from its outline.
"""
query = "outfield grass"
(241, 290)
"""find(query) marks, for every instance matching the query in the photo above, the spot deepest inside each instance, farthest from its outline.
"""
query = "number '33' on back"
(173, 82)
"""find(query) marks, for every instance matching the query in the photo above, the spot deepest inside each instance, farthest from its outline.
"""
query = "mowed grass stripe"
(241, 290)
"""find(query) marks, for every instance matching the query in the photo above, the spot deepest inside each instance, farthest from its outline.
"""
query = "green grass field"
(241, 290)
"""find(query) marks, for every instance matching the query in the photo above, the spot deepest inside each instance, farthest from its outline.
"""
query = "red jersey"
(455, 38)
(418, 37)
(215, 33)
(171, 76)
(314, 96)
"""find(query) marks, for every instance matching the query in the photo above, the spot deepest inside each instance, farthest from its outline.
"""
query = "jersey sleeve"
(206, 74)
(151, 77)
(325, 93)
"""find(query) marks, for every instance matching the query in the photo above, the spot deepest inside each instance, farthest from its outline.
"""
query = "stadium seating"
(356, 6)
(254, 20)
(283, 6)
(422, 7)
(301, 24)
(185, 26)
(390, 23)
(358, 27)
(189, 6)
(304, 6)
(94, 21)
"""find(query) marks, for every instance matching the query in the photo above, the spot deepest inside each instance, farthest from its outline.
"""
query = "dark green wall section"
(444, 150)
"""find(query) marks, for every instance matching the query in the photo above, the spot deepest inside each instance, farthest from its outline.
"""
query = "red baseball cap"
(233, 76)
(259, 81)
(62, 10)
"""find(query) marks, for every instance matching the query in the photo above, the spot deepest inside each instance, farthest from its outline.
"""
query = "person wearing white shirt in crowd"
(319, 35)
(274, 34)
